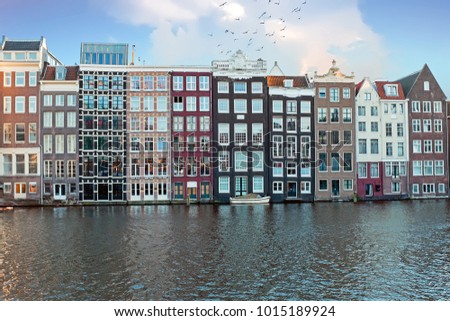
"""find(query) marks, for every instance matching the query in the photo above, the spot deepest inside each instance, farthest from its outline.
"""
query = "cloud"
(302, 38)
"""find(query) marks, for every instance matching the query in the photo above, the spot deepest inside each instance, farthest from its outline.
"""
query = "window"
(388, 132)
(191, 166)
(257, 106)
(162, 83)
(20, 79)
(367, 96)
(7, 164)
(374, 170)
(427, 125)
(334, 95)
(240, 134)
(71, 144)
(59, 120)
(240, 87)
(428, 188)
(277, 124)
(240, 106)
(20, 105)
(257, 87)
(374, 127)
(347, 115)
(224, 184)
(148, 83)
(400, 149)
(48, 144)
(362, 143)
(427, 168)
(161, 103)
(348, 185)
(335, 162)
(223, 106)
(277, 106)
(117, 83)
(323, 185)
(134, 124)
(374, 111)
(205, 166)
(426, 106)
(88, 102)
(305, 147)
(361, 111)
(7, 133)
(162, 124)
(415, 188)
(389, 149)
(204, 103)
(395, 187)
(305, 124)
(334, 115)
(224, 161)
(426, 85)
(59, 100)
(291, 146)
(437, 106)
(32, 104)
(416, 106)
(277, 169)
(277, 146)
(224, 134)
(322, 115)
(7, 105)
(441, 188)
(417, 146)
(59, 144)
(204, 143)
(322, 137)
(177, 124)
(323, 165)
(135, 83)
(417, 168)
(391, 90)
(163, 146)
(117, 102)
(362, 126)
(388, 168)
(149, 123)
(291, 107)
(258, 184)
(374, 146)
(385, 108)
(347, 137)
(438, 146)
(20, 133)
(305, 187)
(305, 169)
(393, 108)
(346, 93)
(348, 166)
(427, 146)
(322, 92)
(191, 123)
(400, 129)
(240, 161)
(205, 123)
(32, 133)
(305, 107)
(20, 164)
(257, 133)
(291, 124)
(191, 103)
(439, 168)
(258, 161)
(204, 83)
(7, 78)
(177, 83)
(291, 169)
(416, 128)
(223, 87)
(438, 125)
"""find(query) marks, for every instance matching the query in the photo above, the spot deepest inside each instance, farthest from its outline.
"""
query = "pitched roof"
(71, 73)
(21, 45)
(409, 81)
(382, 92)
(358, 87)
(278, 81)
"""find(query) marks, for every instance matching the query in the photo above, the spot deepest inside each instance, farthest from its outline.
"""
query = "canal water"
(322, 251)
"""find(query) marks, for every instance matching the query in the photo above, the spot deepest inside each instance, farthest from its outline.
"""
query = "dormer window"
(60, 73)
(288, 83)
(391, 90)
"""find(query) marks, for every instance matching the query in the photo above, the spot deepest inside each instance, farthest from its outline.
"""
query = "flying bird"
(223, 4)
(262, 15)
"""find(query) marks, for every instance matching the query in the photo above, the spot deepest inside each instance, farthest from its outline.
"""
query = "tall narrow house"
(239, 127)
(428, 135)
(21, 64)
(334, 106)
(290, 137)
(191, 134)
(103, 124)
(59, 133)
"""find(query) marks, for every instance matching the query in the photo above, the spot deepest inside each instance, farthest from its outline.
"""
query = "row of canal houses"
(111, 131)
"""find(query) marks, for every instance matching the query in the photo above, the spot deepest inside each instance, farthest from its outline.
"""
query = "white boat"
(250, 199)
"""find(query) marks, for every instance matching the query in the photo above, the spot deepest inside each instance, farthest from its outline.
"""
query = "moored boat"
(250, 199)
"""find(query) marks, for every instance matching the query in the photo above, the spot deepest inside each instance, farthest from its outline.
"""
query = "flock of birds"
(269, 26)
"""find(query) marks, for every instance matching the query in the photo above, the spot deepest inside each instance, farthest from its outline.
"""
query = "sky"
(380, 39)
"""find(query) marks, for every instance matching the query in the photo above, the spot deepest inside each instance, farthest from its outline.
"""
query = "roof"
(409, 81)
(358, 87)
(71, 73)
(276, 70)
(380, 85)
(277, 81)
(22, 45)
